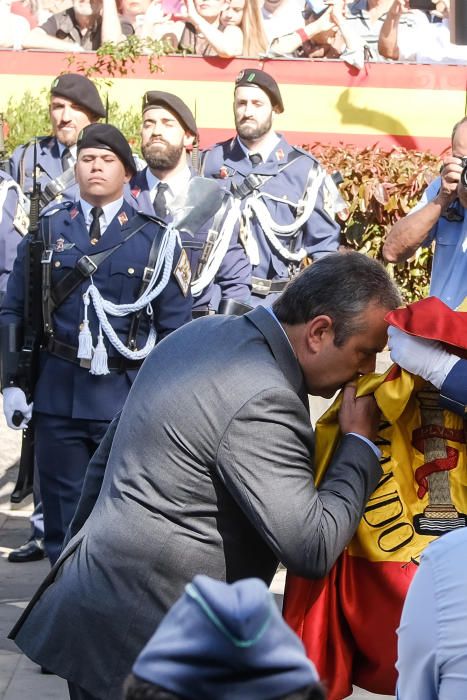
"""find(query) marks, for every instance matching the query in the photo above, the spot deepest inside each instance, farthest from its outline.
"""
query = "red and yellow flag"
(348, 620)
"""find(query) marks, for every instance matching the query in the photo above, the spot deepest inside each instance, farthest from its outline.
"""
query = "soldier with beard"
(220, 268)
(286, 198)
(74, 103)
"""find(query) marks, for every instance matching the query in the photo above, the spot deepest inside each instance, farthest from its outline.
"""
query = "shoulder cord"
(255, 205)
(103, 307)
(220, 247)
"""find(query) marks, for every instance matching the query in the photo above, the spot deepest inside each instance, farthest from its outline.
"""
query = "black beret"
(254, 76)
(111, 139)
(157, 98)
(79, 89)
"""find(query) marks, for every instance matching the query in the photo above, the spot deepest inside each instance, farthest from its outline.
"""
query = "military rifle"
(28, 357)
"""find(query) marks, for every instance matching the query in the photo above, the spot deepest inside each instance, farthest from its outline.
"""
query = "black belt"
(198, 313)
(263, 287)
(70, 352)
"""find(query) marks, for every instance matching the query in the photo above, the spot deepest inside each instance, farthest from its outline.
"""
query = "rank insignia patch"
(74, 213)
(122, 218)
(182, 273)
(280, 154)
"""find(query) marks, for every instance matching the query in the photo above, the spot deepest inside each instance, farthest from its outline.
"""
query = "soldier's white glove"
(426, 358)
(14, 399)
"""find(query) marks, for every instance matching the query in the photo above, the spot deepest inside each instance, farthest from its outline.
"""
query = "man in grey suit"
(209, 469)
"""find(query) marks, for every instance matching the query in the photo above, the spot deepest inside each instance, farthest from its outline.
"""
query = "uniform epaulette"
(38, 139)
(58, 207)
(303, 152)
(152, 217)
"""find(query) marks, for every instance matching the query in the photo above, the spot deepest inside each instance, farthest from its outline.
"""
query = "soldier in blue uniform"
(287, 200)
(74, 103)
(114, 283)
(220, 267)
(13, 226)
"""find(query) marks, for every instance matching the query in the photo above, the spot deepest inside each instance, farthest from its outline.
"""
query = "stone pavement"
(20, 679)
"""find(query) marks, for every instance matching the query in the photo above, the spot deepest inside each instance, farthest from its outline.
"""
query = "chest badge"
(60, 246)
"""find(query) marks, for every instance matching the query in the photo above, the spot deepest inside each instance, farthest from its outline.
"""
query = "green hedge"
(380, 186)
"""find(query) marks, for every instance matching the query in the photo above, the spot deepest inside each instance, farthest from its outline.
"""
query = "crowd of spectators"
(354, 31)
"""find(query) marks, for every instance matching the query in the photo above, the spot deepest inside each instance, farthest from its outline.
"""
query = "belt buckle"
(46, 257)
(261, 287)
(86, 266)
(85, 363)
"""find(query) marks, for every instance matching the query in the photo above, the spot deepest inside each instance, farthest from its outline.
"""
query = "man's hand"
(425, 358)
(450, 176)
(360, 415)
(14, 399)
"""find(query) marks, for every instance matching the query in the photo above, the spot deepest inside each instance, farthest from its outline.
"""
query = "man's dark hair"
(341, 286)
(137, 689)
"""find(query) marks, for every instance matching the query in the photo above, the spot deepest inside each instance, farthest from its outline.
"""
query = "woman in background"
(246, 14)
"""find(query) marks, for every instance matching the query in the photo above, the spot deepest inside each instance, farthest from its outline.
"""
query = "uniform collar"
(266, 149)
(109, 212)
(61, 148)
(176, 183)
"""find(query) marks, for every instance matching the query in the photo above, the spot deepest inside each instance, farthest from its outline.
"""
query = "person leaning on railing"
(324, 36)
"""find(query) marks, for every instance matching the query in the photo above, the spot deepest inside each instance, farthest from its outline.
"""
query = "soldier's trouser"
(64, 447)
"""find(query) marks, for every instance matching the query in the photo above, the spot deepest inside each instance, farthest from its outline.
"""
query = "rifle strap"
(214, 232)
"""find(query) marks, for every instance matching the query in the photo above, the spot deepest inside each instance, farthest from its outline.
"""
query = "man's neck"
(379, 7)
(101, 201)
(169, 174)
(256, 144)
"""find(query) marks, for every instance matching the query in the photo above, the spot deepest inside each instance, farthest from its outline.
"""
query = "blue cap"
(224, 640)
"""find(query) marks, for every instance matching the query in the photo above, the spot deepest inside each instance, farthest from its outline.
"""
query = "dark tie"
(160, 202)
(255, 158)
(95, 228)
(67, 159)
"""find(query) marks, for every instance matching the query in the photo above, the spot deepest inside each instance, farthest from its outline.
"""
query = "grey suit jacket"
(209, 470)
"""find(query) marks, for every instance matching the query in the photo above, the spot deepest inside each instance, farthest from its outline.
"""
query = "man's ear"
(188, 139)
(319, 330)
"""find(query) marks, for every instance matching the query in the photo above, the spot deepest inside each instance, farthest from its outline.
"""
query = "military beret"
(157, 98)
(223, 641)
(79, 89)
(111, 139)
(254, 76)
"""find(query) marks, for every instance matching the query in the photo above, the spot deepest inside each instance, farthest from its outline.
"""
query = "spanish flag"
(348, 620)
